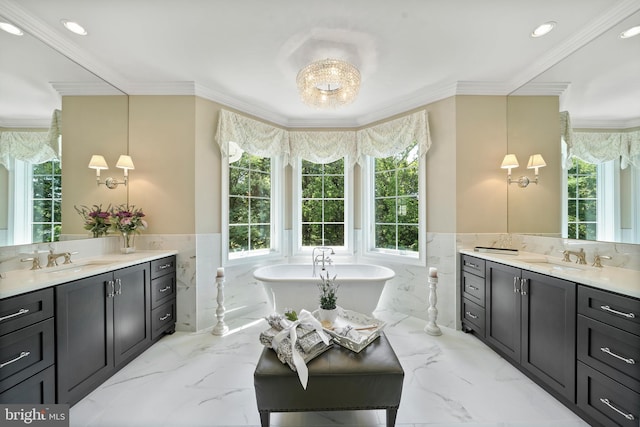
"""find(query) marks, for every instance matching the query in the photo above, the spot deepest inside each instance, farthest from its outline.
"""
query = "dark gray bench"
(339, 380)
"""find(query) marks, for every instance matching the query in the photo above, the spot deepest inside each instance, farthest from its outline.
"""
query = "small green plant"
(328, 292)
(290, 314)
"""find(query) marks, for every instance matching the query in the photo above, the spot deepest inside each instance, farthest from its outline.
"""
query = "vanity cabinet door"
(549, 331)
(503, 309)
(84, 329)
(131, 312)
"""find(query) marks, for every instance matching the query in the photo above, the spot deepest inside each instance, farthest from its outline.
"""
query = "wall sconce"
(98, 163)
(510, 161)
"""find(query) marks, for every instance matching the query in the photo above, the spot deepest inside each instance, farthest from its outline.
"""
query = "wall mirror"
(602, 95)
(32, 77)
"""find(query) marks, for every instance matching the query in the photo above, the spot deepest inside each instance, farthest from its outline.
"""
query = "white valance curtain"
(33, 147)
(381, 140)
(599, 147)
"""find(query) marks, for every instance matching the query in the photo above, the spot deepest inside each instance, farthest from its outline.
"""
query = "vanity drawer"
(610, 350)
(473, 316)
(163, 319)
(613, 309)
(473, 265)
(160, 267)
(473, 288)
(605, 400)
(24, 310)
(162, 289)
(38, 390)
(25, 352)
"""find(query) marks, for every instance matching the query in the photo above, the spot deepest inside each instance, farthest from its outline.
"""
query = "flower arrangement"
(96, 220)
(328, 292)
(127, 219)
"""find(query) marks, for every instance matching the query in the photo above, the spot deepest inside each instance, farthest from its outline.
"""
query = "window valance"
(599, 147)
(33, 147)
(381, 140)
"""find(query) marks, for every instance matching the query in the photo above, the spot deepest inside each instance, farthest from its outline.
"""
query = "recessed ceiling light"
(633, 31)
(11, 29)
(543, 29)
(74, 27)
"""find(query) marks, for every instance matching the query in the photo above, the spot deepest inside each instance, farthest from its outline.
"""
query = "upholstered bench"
(339, 380)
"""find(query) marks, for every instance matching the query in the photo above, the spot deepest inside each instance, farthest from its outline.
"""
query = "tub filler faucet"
(322, 258)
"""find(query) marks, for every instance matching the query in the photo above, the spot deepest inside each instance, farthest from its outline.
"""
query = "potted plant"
(328, 310)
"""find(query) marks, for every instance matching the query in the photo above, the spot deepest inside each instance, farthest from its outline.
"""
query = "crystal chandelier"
(328, 83)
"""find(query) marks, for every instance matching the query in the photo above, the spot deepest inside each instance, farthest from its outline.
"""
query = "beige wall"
(481, 143)
(207, 167)
(91, 125)
(4, 198)
(534, 127)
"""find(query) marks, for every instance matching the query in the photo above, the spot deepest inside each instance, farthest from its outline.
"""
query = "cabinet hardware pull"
(165, 289)
(162, 267)
(9, 362)
(523, 291)
(166, 316)
(619, 313)
(610, 353)
(112, 292)
(119, 282)
(515, 285)
(627, 416)
(17, 313)
(470, 314)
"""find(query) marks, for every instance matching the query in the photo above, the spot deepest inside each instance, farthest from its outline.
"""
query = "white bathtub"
(293, 286)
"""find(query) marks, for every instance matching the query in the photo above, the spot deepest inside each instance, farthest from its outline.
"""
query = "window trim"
(368, 218)
(277, 221)
(296, 209)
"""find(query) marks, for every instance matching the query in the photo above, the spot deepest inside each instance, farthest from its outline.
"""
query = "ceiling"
(246, 54)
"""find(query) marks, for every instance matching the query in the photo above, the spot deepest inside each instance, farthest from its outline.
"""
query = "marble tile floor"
(197, 379)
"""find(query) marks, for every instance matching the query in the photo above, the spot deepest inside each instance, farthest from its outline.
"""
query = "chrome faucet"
(52, 258)
(321, 258)
(581, 257)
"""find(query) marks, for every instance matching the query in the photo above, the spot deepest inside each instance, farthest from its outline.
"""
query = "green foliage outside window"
(250, 203)
(322, 203)
(582, 207)
(46, 198)
(396, 201)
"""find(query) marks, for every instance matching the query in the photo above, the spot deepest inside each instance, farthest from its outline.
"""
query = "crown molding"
(542, 89)
(605, 124)
(85, 88)
(593, 30)
(19, 123)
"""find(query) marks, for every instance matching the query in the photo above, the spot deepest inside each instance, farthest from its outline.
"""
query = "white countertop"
(22, 281)
(614, 279)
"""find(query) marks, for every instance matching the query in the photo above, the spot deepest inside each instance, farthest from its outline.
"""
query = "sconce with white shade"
(510, 161)
(98, 163)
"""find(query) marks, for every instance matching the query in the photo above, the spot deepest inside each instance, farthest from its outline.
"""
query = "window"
(322, 204)
(395, 213)
(582, 201)
(46, 201)
(250, 206)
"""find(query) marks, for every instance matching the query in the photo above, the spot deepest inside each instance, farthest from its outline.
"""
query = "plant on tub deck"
(96, 220)
(128, 221)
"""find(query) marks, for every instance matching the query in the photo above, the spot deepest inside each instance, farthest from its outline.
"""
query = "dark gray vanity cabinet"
(609, 357)
(472, 286)
(163, 296)
(531, 319)
(103, 322)
(27, 348)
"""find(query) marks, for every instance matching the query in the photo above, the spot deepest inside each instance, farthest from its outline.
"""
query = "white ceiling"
(246, 54)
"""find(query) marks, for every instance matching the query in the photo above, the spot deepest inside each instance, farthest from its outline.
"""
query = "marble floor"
(197, 379)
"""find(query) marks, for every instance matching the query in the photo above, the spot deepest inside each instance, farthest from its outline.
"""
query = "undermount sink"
(560, 265)
(75, 267)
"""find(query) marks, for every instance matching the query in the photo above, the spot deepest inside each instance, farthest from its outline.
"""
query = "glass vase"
(127, 242)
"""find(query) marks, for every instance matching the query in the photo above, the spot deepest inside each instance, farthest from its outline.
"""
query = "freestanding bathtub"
(292, 286)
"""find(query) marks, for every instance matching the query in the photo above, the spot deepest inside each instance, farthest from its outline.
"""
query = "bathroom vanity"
(574, 330)
(65, 330)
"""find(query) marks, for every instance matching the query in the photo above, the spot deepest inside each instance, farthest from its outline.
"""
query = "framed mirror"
(33, 79)
(598, 86)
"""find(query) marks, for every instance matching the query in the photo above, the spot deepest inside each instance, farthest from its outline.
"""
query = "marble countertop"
(18, 282)
(614, 279)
